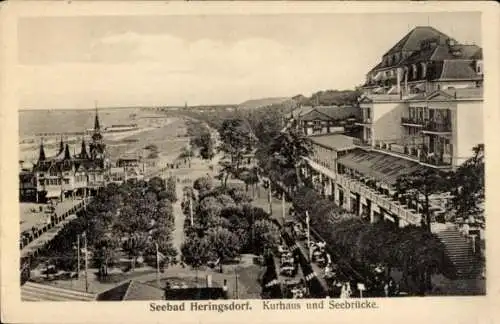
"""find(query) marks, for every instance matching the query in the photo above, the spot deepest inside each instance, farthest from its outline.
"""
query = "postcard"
(248, 161)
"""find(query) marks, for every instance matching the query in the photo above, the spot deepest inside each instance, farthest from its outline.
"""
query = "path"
(179, 217)
(49, 233)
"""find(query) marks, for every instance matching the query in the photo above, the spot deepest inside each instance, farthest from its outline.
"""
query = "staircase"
(468, 265)
(32, 291)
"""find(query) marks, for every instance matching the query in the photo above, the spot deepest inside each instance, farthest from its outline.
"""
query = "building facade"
(66, 175)
(421, 109)
(321, 120)
(418, 98)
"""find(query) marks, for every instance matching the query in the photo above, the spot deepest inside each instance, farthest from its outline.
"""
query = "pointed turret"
(41, 155)
(97, 137)
(83, 152)
(67, 154)
(97, 125)
(61, 146)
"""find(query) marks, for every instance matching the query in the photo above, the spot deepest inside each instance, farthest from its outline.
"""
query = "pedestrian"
(224, 289)
(386, 289)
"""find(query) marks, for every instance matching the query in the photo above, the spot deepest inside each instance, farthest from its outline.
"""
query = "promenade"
(64, 213)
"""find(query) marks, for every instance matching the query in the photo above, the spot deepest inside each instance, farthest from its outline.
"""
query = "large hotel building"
(422, 107)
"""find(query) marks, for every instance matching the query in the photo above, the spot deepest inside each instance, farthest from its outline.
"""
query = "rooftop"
(384, 168)
(334, 141)
(132, 290)
(412, 40)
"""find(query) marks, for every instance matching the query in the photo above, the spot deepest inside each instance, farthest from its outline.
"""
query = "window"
(66, 181)
(424, 70)
(479, 67)
(414, 67)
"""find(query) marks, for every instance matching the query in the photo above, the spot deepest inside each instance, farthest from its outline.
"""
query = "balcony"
(408, 150)
(409, 121)
(381, 197)
(442, 161)
(437, 128)
(361, 142)
(364, 122)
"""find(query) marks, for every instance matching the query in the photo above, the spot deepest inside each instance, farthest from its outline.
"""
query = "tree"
(251, 178)
(266, 236)
(224, 244)
(236, 140)
(105, 255)
(196, 251)
(422, 183)
(203, 184)
(172, 189)
(207, 150)
(186, 154)
(156, 185)
(467, 185)
(287, 153)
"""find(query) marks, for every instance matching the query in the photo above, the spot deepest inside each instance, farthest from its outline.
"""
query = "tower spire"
(61, 145)
(41, 155)
(83, 152)
(97, 126)
(67, 154)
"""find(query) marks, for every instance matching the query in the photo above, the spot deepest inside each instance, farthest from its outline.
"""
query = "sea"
(32, 122)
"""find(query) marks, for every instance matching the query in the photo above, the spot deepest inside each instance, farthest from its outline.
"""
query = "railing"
(364, 121)
(436, 160)
(444, 127)
(412, 121)
(361, 142)
(412, 151)
(379, 199)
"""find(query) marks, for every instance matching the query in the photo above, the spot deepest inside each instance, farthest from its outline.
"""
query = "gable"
(438, 96)
(315, 115)
(365, 99)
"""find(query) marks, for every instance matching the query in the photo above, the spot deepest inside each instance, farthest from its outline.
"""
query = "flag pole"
(78, 255)
(157, 266)
(191, 210)
(283, 206)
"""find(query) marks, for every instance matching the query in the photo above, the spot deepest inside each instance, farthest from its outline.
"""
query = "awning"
(53, 194)
(381, 167)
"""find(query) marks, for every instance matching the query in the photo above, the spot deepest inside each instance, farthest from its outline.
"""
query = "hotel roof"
(412, 40)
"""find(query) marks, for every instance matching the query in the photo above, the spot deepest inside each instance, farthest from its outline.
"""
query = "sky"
(71, 62)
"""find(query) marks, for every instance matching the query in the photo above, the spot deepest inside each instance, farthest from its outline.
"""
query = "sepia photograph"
(335, 158)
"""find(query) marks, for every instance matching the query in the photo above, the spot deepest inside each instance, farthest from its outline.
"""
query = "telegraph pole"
(308, 236)
(191, 209)
(86, 264)
(270, 198)
(236, 277)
